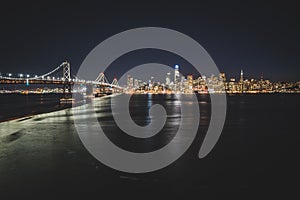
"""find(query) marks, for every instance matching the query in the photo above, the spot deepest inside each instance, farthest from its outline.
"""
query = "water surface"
(256, 155)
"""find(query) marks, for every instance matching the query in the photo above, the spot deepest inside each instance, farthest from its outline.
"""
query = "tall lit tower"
(190, 83)
(242, 76)
(168, 79)
(176, 77)
(129, 82)
(242, 81)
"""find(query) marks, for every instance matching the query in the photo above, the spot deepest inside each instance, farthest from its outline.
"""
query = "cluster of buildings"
(211, 84)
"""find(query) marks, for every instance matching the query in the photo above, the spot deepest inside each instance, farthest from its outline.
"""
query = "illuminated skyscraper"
(242, 81)
(136, 83)
(242, 76)
(183, 84)
(190, 83)
(222, 77)
(129, 82)
(168, 79)
(177, 78)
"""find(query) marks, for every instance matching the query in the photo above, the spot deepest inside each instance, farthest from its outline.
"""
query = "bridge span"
(67, 80)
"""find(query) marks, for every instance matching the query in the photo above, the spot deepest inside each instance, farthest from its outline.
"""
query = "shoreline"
(23, 117)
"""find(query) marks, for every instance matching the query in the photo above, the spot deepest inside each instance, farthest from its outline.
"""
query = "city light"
(179, 84)
(209, 85)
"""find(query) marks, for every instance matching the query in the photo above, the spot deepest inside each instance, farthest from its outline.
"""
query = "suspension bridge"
(63, 77)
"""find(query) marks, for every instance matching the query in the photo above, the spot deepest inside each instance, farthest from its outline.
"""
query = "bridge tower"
(67, 79)
(101, 78)
(115, 82)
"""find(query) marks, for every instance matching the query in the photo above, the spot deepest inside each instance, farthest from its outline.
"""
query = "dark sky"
(260, 38)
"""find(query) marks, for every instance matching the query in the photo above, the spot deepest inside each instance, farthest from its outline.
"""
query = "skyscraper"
(222, 77)
(176, 78)
(242, 81)
(129, 82)
(136, 83)
(183, 84)
(242, 76)
(168, 79)
(190, 83)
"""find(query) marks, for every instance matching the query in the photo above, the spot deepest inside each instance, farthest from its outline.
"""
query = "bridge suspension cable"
(115, 82)
(101, 78)
(66, 78)
(37, 77)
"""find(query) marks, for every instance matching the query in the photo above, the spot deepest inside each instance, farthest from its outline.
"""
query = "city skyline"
(209, 84)
(179, 84)
(240, 77)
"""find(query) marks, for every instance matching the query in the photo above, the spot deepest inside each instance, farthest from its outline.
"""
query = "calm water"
(256, 156)
(19, 105)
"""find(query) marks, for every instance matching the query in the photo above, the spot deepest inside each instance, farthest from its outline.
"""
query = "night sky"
(262, 39)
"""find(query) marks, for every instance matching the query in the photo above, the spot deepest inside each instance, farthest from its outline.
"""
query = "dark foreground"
(256, 156)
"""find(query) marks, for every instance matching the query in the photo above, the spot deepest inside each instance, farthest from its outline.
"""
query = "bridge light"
(27, 75)
(9, 74)
(36, 76)
(21, 75)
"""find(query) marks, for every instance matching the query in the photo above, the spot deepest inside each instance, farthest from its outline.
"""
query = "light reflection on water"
(43, 153)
